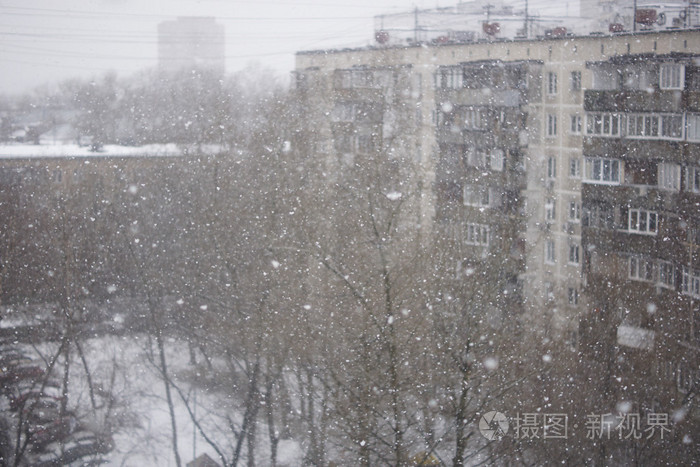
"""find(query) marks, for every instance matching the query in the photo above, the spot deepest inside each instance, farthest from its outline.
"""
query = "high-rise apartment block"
(575, 157)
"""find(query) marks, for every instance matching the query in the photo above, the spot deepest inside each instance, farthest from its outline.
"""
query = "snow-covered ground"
(144, 437)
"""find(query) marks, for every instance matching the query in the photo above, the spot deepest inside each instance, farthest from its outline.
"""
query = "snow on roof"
(25, 151)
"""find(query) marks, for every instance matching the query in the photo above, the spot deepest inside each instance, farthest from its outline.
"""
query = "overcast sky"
(48, 40)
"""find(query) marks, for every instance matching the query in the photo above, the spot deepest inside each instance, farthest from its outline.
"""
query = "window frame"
(588, 174)
(478, 234)
(668, 176)
(603, 124)
(551, 128)
(575, 81)
(574, 254)
(639, 221)
(690, 281)
(574, 212)
(550, 210)
(551, 168)
(673, 81)
(692, 120)
(652, 125)
(552, 85)
(575, 124)
(641, 269)
(666, 274)
(550, 251)
(575, 167)
(692, 179)
(478, 196)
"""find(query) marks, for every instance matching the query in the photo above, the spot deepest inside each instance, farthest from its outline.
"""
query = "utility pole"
(415, 25)
(527, 22)
(488, 12)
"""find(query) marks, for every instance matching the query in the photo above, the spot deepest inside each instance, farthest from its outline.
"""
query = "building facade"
(576, 160)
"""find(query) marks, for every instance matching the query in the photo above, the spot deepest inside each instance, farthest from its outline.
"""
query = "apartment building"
(580, 153)
(641, 218)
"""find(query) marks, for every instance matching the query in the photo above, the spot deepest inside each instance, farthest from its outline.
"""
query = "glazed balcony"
(641, 101)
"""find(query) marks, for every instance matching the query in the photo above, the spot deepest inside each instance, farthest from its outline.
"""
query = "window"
(672, 126)
(473, 119)
(476, 195)
(549, 252)
(641, 269)
(601, 216)
(667, 275)
(648, 125)
(574, 211)
(477, 158)
(551, 167)
(574, 250)
(602, 124)
(346, 79)
(450, 78)
(551, 125)
(57, 175)
(343, 143)
(550, 213)
(574, 167)
(365, 143)
(343, 112)
(497, 157)
(642, 126)
(478, 234)
(575, 128)
(669, 176)
(551, 83)
(690, 282)
(692, 179)
(643, 222)
(549, 291)
(692, 122)
(600, 170)
(639, 76)
(573, 296)
(361, 79)
(575, 81)
(672, 76)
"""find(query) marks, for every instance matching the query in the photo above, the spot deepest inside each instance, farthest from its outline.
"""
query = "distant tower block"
(191, 42)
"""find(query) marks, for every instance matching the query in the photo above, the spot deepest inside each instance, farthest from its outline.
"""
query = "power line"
(74, 14)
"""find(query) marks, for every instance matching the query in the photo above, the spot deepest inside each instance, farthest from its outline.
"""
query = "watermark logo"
(529, 426)
(493, 425)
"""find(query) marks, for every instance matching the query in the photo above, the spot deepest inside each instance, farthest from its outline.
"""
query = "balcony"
(639, 101)
(483, 97)
(635, 337)
(650, 196)
(627, 148)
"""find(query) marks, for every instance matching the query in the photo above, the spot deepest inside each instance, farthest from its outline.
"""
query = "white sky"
(48, 41)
